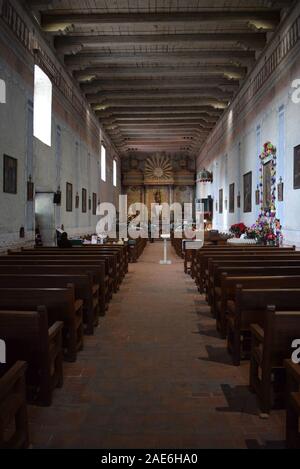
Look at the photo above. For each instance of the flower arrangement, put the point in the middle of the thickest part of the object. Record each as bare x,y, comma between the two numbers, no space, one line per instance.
266,232
252,232
269,150
238,229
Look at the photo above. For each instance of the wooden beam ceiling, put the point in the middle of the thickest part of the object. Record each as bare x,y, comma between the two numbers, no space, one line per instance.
54,21
249,41
159,78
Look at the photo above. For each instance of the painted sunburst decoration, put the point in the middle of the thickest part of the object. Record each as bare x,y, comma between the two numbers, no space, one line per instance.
158,168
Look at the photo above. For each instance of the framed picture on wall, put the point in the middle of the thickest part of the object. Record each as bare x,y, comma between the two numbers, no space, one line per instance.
231,198
10,174
257,197
248,192
280,191
83,200
77,200
297,167
221,201
30,190
90,203
69,197
94,203
238,201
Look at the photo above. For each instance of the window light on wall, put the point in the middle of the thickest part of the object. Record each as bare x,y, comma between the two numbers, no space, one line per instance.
42,118
103,163
2,92
114,173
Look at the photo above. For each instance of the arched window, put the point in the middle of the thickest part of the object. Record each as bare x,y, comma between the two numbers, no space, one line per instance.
2,352
2,92
103,163
42,119
114,173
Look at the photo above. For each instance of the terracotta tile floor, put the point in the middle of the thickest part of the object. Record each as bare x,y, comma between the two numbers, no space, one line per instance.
155,375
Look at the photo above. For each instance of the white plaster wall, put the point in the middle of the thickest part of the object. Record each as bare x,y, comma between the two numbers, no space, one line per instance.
241,129
13,115
14,142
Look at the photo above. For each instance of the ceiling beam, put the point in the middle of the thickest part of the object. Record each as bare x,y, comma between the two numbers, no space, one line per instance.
230,72
142,119
39,3
166,110
174,144
226,57
209,93
157,141
160,102
200,124
161,135
157,125
159,83
252,41
59,21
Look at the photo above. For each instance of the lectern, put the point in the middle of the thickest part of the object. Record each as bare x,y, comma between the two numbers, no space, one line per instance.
165,261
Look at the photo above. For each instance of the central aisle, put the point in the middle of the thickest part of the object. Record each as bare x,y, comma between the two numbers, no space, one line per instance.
155,375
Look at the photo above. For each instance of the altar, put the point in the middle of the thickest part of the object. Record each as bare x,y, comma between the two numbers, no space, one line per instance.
159,180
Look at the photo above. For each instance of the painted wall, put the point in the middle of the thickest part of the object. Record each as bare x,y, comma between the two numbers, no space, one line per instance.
234,146
74,155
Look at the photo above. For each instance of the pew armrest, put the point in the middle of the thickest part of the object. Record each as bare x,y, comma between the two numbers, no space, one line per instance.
295,401
257,332
78,305
293,369
55,329
11,377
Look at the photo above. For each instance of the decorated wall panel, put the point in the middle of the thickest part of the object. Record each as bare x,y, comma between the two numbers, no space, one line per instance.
159,178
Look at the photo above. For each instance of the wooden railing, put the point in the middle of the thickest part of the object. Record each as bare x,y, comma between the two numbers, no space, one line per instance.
10,16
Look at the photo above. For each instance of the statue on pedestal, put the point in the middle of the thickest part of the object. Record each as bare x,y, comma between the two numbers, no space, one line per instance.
157,197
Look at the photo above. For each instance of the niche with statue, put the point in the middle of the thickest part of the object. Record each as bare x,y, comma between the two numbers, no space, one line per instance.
267,229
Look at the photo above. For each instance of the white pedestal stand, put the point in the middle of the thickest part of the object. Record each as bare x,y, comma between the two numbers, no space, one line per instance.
165,261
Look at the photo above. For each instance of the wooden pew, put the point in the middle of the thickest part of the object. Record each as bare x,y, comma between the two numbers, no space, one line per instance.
233,259
136,248
14,432
85,290
119,266
249,308
177,245
271,345
292,404
63,268
202,256
123,247
217,267
110,278
189,255
120,252
61,306
228,290
29,338
90,249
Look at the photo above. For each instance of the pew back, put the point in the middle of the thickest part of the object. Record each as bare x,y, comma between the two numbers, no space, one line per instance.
28,337
61,306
